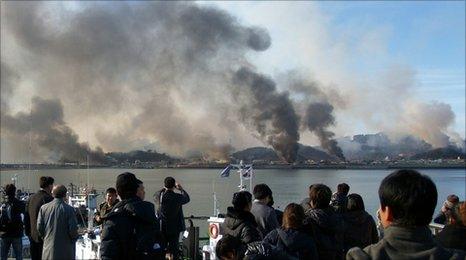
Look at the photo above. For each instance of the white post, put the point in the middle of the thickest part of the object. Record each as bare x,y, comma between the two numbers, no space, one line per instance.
250,180
240,179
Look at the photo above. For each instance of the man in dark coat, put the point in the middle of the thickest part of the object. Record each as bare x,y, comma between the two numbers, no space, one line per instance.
453,235
445,211
58,227
407,203
323,224
33,205
339,199
264,215
239,222
361,229
12,232
129,230
111,198
171,213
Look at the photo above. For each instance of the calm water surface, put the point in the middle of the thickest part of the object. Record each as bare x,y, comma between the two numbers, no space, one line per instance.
287,185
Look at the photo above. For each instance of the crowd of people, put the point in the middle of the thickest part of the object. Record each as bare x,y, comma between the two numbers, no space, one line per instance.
322,226
336,226
131,228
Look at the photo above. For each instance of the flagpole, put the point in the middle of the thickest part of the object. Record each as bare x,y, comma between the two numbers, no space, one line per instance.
240,179
250,180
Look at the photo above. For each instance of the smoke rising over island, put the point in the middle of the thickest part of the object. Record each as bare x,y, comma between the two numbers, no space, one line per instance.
87,78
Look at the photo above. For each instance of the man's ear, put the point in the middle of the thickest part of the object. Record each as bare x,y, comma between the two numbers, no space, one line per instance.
386,216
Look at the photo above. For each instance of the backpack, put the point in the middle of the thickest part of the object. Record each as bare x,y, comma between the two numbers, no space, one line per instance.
6,217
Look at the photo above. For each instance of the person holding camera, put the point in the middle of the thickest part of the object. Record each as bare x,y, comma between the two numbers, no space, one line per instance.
170,213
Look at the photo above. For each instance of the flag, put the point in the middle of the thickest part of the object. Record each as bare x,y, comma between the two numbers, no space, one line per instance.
247,172
226,172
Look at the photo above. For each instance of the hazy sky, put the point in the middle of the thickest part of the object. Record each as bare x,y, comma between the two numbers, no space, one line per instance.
338,40
164,75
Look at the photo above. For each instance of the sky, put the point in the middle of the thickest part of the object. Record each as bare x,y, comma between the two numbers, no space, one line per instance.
426,36
180,77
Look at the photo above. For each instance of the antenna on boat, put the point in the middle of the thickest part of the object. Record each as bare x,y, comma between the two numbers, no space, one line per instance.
30,146
214,195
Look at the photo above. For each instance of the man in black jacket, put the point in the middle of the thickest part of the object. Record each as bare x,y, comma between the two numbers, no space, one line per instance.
407,203
11,232
171,213
324,224
130,229
33,205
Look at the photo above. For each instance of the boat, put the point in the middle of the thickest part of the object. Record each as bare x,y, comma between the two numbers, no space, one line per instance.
245,172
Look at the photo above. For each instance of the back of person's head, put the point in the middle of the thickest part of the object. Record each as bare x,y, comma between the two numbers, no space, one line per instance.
343,188
452,198
126,185
320,196
355,203
228,247
293,216
111,190
169,182
45,181
411,196
10,190
241,200
458,214
262,191
59,191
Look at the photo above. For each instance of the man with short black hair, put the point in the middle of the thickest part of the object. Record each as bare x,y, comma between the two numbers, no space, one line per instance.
407,202
340,198
445,212
141,191
58,227
33,205
264,215
111,198
323,224
130,229
171,213
11,224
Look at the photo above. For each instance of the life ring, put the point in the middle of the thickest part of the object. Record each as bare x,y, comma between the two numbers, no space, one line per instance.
213,231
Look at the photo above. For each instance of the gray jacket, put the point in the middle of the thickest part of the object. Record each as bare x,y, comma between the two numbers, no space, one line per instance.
57,226
405,243
265,217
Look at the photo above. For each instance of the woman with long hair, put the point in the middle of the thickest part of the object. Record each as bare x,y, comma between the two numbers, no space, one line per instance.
290,238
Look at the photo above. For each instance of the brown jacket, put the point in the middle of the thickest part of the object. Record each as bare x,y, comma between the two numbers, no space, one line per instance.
103,210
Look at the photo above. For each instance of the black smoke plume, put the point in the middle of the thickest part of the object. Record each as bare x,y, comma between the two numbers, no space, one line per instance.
271,113
140,67
47,128
318,117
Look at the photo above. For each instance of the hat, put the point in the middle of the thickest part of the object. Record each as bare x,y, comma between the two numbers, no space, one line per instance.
126,185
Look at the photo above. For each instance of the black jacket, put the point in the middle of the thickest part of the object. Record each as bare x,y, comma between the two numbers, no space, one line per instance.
130,231
405,243
170,210
339,202
440,218
453,237
32,210
326,227
242,225
295,243
15,227
360,231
